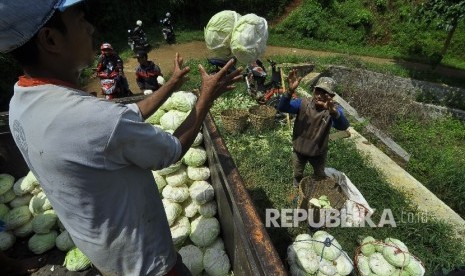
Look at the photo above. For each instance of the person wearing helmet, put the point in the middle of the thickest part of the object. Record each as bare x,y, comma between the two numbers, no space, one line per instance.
94,158
137,39
166,22
138,29
110,66
147,73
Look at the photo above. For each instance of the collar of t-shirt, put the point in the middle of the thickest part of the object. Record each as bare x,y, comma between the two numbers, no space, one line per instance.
25,81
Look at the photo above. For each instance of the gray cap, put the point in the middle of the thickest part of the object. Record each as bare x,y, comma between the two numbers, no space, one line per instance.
327,84
20,20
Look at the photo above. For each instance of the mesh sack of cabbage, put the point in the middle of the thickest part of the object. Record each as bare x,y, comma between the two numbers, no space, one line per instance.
320,254
391,257
188,197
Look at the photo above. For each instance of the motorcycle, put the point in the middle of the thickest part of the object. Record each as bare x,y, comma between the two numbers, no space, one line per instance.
264,93
219,63
137,42
168,32
110,82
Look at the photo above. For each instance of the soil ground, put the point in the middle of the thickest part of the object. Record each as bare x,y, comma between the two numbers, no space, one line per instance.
164,57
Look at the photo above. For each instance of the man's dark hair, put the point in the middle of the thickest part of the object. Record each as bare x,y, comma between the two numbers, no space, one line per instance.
28,54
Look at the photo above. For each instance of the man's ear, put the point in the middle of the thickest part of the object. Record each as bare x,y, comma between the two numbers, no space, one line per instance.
50,40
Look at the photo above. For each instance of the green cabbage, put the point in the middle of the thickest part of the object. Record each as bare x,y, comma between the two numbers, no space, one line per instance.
177,178
183,101
155,118
218,32
192,258
307,260
64,241
249,37
303,238
368,246
6,182
40,243
39,203
44,222
217,244
75,260
198,173
330,253
190,208
297,271
159,180
208,209
172,210
3,211
395,256
176,194
172,119
415,267
327,268
379,265
204,231
363,266
7,240
198,140
171,169
8,196
195,157
21,201
344,265
17,217
216,262
24,230
399,272
180,230
25,184
201,192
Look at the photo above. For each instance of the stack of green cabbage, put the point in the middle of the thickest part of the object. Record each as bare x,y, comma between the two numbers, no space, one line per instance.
188,197
27,213
390,257
318,255
244,36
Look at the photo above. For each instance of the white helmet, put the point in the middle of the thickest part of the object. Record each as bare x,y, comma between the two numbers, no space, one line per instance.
168,14
139,23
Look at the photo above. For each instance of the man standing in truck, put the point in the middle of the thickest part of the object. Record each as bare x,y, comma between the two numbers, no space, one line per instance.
92,157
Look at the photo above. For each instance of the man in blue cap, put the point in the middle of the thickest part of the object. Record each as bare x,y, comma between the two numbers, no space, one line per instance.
92,157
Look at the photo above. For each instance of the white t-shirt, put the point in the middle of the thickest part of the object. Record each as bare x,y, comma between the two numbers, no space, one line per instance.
93,159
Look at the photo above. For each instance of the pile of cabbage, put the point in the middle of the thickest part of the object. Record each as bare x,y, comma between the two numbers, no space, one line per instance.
188,197
228,33
28,214
318,255
390,257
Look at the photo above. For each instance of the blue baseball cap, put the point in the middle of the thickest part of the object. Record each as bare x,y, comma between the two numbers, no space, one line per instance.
20,20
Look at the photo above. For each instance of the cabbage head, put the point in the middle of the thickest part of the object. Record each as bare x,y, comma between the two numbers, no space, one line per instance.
344,265
217,244
396,243
208,209
327,267
363,266
183,101
7,240
195,157
297,271
40,243
198,140
159,180
3,211
171,169
177,178
172,210
75,260
216,262
303,237
368,246
307,260
396,257
329,253
155,118
6,182
172,119
180,230
204,231
400,272
218,32
17,217
249,37
201,192
198,173
39,203
176,194
25,184
415,267
24,230
8,196
379,265
21,201
44,222
64,241
190,208
192,257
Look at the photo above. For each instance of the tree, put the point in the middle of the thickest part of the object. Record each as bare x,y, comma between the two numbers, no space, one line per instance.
446,14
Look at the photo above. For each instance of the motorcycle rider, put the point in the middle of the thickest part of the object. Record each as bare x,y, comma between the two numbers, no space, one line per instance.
167,27
137,38
104,71
147,73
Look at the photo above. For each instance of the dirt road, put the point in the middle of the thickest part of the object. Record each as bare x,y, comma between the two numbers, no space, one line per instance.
164,56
